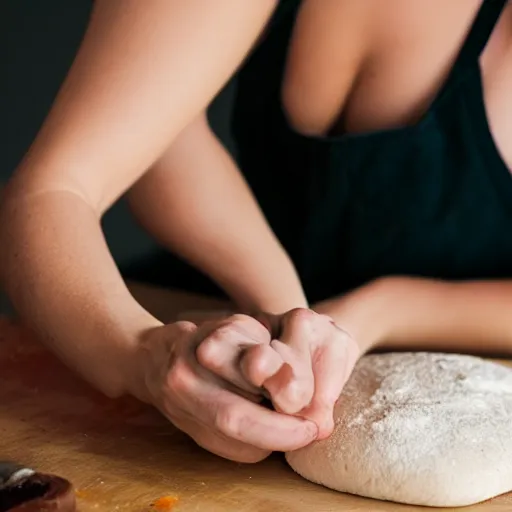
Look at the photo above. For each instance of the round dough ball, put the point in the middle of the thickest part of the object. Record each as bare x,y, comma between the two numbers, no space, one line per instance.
418,428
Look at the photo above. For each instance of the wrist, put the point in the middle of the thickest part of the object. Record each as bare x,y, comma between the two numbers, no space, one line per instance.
274,306
136,354
398,300
380,307
368,315
273,293
363,313
270,313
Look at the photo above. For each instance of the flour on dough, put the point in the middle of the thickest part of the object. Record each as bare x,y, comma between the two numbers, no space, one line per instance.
418,428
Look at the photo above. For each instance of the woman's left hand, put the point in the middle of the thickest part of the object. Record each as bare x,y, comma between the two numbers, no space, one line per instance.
318,357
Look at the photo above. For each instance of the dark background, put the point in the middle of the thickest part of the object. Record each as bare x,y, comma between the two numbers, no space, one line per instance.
39,39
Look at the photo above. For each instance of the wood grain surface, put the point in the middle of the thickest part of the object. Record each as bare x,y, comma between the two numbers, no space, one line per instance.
122,456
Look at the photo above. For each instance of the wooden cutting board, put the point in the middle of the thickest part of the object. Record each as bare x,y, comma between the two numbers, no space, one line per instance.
122,456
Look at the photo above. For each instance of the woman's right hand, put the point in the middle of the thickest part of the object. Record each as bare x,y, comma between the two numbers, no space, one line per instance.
219,416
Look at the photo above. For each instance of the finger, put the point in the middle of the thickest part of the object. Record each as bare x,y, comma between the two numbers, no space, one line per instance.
245,326
223,346
260,362
297,329
242,420
263,428
224,447
186,400
248,326
232,450
332,365
215,442
222,357
291,388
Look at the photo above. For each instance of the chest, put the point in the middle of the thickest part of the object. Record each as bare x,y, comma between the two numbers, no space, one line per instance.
368,66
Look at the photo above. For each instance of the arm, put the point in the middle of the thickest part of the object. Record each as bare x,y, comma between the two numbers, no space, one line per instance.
142,74
195,201
401,313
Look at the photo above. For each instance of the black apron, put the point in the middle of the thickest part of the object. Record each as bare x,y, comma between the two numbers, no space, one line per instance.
433,199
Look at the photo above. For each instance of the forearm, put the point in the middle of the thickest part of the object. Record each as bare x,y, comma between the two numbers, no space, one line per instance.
58,272
473,316
195,202
424,314
143,72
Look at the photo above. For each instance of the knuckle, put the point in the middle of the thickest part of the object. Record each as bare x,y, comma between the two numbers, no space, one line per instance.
239,318
244,325
208,354
302,315
179,377
185,327
221,333
250,329
227,420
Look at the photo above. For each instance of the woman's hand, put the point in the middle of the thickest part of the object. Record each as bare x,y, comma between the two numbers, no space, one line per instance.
319,357
300,361
221,416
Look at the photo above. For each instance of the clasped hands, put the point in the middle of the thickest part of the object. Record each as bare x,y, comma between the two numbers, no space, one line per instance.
210,380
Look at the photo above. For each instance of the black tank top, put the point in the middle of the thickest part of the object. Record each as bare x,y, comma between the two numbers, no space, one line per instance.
433,199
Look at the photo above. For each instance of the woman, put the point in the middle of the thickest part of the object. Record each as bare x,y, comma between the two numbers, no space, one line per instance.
375,144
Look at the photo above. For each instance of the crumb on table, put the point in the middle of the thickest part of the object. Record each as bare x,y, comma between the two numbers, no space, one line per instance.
165,504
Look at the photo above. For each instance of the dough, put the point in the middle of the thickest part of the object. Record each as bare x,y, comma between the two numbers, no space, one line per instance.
418,428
